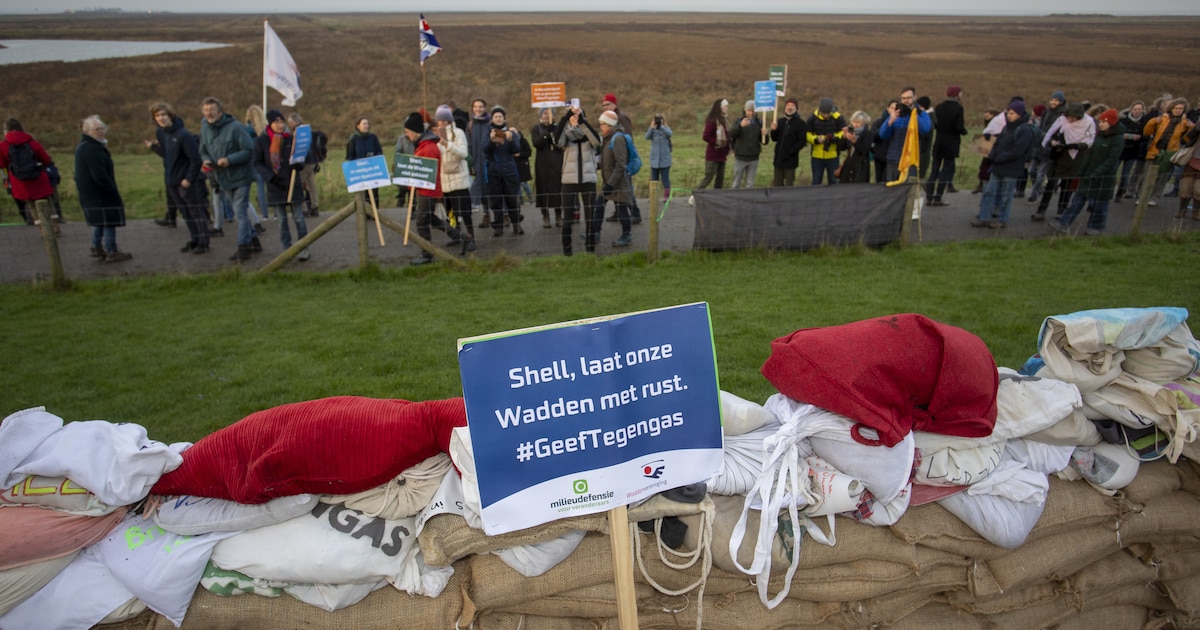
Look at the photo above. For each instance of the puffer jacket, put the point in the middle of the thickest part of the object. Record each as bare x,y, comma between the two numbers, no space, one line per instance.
579,144
1155,129
456,175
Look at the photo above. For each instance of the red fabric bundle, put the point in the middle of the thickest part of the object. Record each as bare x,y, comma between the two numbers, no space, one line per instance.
893,374
339,445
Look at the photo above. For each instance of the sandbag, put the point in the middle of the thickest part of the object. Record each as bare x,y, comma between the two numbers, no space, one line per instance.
57,493
202,515
17,584
33,534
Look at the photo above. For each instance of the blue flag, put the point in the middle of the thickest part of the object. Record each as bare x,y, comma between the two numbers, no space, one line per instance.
429,43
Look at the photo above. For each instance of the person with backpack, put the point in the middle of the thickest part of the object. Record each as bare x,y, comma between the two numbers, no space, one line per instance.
26,161
614,162
180,153
97,188
312,163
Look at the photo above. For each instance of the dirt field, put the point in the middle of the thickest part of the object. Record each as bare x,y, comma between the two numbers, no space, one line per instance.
367,64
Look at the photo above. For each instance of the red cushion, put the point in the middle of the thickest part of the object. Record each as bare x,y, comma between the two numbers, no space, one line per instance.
339,445
893,374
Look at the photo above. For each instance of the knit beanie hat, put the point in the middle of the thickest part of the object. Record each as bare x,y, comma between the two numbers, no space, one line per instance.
792,100
825,106
610,98
609,119
1109,116
1039,109
749,105
274,115
1059,96
443,113
497,108
414,122
953,91
1017,106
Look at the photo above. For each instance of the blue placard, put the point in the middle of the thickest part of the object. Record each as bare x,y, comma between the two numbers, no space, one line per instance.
366,173
583,417
764,96
301,141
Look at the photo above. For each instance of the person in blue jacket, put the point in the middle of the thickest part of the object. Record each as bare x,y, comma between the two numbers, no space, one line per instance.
896,126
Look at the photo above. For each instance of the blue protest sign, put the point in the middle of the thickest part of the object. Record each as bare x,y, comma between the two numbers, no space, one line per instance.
366,173
301,141
587,416
764,96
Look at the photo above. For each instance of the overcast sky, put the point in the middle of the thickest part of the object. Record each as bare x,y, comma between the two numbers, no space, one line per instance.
937,7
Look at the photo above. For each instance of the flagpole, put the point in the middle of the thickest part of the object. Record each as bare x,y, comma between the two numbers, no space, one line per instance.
264,81
424,108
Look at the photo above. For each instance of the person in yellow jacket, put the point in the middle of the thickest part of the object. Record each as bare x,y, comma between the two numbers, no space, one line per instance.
1165,132
825,130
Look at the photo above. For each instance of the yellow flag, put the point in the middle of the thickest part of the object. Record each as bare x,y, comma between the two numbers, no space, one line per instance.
911,154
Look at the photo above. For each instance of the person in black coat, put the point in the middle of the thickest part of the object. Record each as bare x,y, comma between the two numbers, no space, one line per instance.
856,143
180,152
790,135
547,168
96,186
272,160
950,125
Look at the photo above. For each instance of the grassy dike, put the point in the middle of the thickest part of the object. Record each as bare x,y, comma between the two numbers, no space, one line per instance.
184,356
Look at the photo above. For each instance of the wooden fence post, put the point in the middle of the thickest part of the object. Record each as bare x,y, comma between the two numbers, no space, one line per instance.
1139,212
58,277
655,200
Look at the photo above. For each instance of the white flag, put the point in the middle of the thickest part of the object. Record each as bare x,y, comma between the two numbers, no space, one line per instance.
279,71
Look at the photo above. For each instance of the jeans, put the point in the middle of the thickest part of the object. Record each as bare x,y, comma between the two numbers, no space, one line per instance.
997,199
823,169
239,198
664,174
1098,218
1131,176
1037,177
744,173
285,235
262,194
109,234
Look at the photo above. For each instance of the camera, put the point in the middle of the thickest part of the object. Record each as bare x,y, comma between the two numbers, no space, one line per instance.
658,120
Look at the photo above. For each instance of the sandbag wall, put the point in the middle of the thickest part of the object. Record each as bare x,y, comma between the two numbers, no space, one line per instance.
1130,561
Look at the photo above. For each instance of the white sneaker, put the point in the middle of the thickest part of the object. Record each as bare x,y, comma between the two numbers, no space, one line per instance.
1152,203
691,200
303,256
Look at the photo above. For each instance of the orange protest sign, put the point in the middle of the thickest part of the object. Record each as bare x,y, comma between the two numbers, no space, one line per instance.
548,94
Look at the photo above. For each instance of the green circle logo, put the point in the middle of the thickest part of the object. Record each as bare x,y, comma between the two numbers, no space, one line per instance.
580,486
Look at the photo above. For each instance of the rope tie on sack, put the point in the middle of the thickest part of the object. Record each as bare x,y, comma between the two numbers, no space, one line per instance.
703,550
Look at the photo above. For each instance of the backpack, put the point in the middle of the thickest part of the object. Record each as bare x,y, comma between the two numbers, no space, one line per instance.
320,145
635,161
22,163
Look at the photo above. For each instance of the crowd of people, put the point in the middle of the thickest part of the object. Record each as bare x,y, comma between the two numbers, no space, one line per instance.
1087,154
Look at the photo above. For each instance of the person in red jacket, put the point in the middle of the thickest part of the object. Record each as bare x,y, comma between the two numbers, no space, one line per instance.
426,143
27,187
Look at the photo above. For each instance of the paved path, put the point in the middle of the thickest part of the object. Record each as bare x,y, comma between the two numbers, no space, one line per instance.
155,249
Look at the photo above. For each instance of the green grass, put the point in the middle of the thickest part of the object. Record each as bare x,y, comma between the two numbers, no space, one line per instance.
184,356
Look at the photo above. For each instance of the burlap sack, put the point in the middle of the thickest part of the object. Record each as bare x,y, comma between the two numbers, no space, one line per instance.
1171,515
1059,554
1176,564
496,586
736,612
380,610
1185,594
939,615
447,537
510,621
598,601
1070,504
1153,480
1068,606
1121,616
884,612
856,541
